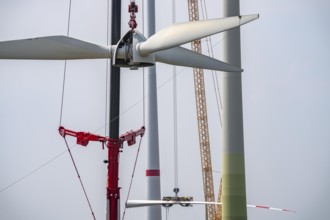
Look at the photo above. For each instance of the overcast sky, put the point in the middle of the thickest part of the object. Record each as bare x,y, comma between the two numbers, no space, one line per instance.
286,101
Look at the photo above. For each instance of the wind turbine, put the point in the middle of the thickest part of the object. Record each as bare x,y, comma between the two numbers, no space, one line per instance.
133,50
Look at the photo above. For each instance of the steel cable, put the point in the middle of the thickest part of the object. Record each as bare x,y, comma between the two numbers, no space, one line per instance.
81,183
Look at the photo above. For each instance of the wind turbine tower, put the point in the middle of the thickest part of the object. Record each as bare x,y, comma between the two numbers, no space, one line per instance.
153,167
233,168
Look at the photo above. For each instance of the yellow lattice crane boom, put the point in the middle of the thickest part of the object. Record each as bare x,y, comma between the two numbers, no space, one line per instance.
202,120
218,215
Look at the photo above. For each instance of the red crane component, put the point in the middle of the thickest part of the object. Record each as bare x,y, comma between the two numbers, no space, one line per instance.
114,146
132,8
83,138
130,136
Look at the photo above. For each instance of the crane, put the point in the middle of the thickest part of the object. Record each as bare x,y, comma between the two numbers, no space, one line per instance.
114,146
202,121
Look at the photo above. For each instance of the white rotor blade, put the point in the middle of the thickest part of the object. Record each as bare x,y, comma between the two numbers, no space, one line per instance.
142,203
183,57
52,48
200,203
178,34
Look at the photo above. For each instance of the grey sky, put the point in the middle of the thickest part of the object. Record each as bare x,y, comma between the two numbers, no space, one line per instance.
286,113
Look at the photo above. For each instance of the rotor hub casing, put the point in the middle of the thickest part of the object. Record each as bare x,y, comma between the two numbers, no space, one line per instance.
126,52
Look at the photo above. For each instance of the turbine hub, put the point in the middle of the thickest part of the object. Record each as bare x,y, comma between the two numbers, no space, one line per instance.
178,200
126,52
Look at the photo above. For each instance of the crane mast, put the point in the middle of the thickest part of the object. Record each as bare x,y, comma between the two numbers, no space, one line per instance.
218,215
202,120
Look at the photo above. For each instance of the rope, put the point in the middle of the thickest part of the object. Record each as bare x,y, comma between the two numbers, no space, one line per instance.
167,213
107,73
214,75
175,115
144,93
64,71
217,94
69,19
143,98
61,114
32,172
63,88
142,17
132,177
81,183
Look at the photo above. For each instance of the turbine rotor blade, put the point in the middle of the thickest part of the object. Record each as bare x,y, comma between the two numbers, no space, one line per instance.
178,34
142,203
183,57
52,48
202,203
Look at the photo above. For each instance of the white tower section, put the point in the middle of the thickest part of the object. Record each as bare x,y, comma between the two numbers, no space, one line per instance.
152,172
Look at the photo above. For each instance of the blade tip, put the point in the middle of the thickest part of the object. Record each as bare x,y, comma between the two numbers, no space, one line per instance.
248,18
237,71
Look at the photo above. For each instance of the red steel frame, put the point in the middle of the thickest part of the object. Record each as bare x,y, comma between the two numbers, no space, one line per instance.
114,148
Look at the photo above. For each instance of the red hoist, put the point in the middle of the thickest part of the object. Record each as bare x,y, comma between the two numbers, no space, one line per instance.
114,148
132,8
